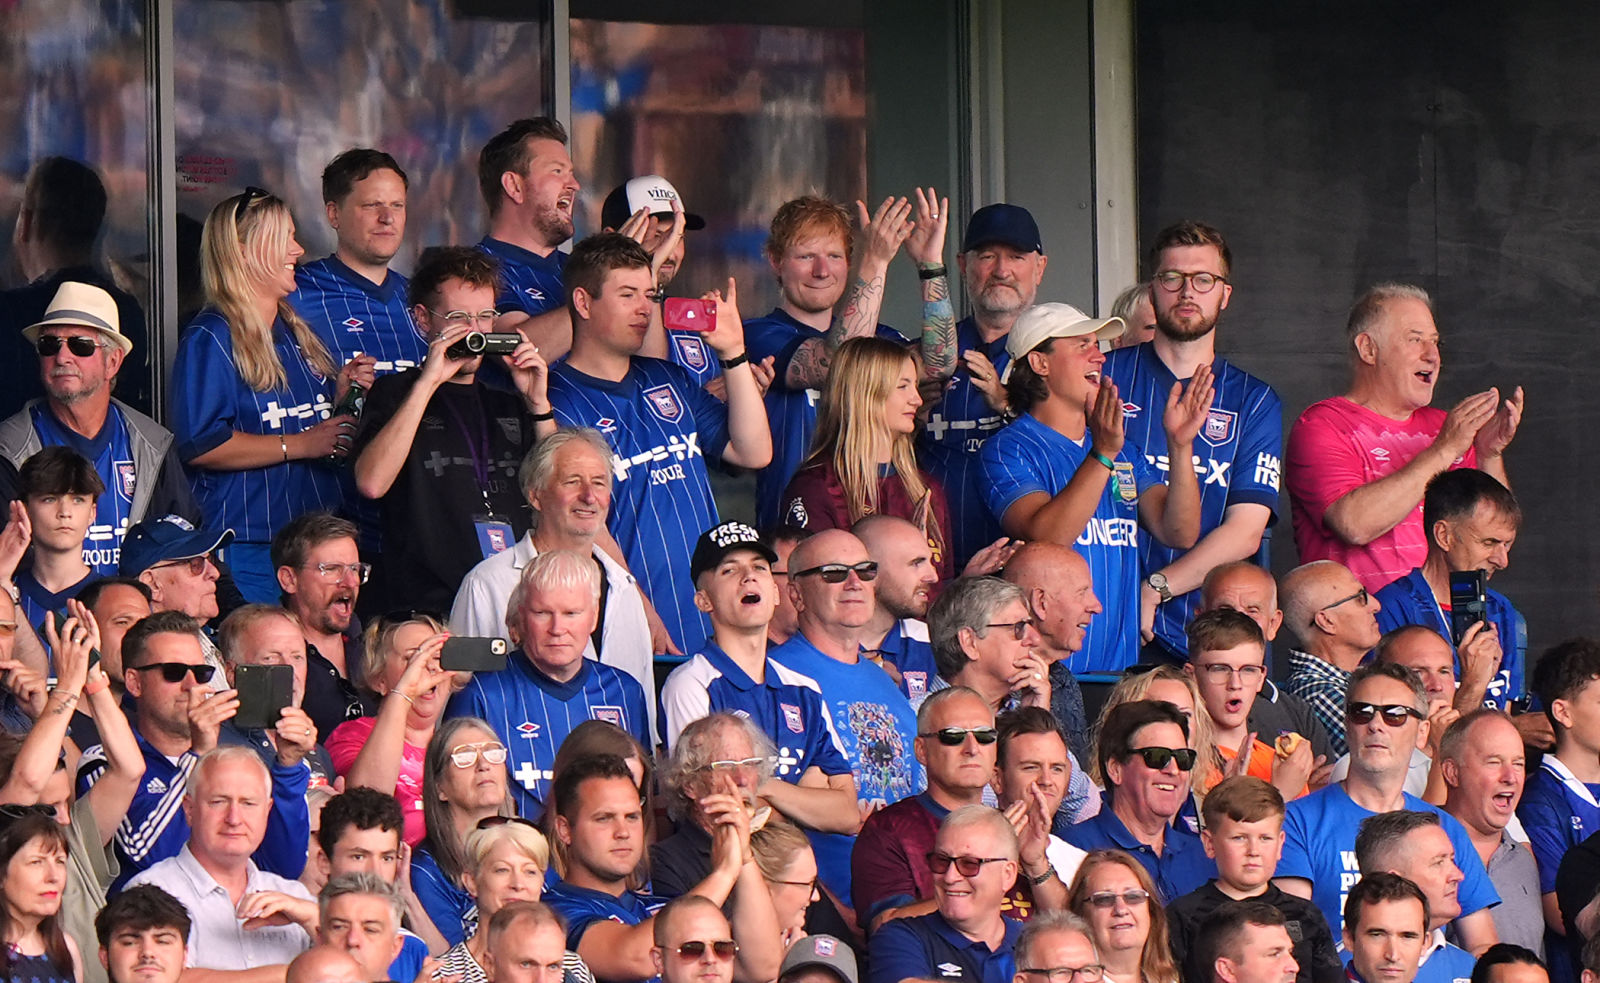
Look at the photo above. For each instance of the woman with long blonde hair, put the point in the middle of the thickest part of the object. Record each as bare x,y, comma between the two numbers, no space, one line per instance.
863,457
1177,687
254,390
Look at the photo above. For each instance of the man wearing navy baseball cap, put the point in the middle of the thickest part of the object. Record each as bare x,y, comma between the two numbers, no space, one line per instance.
174,559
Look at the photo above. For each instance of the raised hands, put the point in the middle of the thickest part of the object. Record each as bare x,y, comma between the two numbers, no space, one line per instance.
925,242
14,539
726,337
1495,435
884,232
1107,429
1187,408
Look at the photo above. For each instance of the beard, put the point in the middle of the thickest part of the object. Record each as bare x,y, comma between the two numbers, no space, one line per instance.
1176,330
554,224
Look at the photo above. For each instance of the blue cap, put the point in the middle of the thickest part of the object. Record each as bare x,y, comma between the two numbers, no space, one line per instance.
1009,225
170,537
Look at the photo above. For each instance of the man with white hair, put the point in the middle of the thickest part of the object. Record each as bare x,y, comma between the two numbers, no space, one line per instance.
974,864
567,479
247,923
361,913
549,687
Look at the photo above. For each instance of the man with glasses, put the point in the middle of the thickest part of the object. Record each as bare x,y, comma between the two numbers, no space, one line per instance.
1144,754
1336,621
548,687
439,448
831,581
320,575
177,562
694,942
1385,714
1239,446
983,638
1359,464
177,719
965,937
599,822
80,351
811,783
1064,472
1057,947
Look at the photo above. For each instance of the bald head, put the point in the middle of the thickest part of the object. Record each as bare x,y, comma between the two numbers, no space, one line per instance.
831,610
906,572
878,531
325,964
1037,563
1246,588
1326,608
828,546
1059,590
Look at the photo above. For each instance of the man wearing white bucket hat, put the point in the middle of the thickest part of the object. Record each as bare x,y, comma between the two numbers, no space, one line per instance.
1063,471
81,348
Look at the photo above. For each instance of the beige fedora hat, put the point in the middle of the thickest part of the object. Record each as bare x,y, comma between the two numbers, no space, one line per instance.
82,305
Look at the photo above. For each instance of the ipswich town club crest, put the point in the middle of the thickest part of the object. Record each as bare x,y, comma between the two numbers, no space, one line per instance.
791,718
611,715
125,480
1219,426
663,402
693,353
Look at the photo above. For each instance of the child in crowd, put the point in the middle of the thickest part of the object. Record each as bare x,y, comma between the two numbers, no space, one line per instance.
1227,658
1243,833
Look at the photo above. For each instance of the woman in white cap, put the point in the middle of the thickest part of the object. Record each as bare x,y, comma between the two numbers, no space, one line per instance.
254,390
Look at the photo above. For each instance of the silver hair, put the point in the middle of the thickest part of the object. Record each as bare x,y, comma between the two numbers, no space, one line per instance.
554,570
691,754
969,602
981,815
540,463
938,698
222,755
362,883
1045,923
1367,312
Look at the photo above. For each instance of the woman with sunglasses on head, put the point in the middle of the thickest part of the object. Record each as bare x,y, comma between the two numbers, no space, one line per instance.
1115,895
863,457
254,390
400,663
33,860
1144,756
1172,685
596,737
464,782
506,859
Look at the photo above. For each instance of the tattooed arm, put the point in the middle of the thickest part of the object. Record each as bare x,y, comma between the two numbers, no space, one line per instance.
925,247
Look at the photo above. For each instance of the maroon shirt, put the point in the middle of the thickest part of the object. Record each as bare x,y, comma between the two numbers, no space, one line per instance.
815,500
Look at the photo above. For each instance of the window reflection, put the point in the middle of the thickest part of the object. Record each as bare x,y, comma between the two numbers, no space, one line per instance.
740,118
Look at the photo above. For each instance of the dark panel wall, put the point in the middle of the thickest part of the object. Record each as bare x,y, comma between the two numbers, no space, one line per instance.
1456,146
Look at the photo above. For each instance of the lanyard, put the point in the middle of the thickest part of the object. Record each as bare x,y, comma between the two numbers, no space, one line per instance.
480,464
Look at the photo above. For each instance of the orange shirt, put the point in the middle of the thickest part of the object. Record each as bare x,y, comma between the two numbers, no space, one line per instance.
1262,758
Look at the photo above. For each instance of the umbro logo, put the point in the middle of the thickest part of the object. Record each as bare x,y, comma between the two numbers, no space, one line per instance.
528,729
606,425
352,323
534,292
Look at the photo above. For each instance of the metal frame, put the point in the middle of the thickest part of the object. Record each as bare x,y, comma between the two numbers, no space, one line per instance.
162,186
1116,222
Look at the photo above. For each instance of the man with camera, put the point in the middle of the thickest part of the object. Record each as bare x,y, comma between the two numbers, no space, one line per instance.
439,449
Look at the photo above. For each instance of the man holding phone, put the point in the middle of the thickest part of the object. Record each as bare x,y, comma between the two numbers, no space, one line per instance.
1471,521
265,654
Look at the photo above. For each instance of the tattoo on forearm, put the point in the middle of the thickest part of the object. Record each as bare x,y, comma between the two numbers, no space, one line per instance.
860,315
808,366
938,329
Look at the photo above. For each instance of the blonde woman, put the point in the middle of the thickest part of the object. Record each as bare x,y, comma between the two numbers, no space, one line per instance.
1172,684
254,390
506,860
863,457
1115,895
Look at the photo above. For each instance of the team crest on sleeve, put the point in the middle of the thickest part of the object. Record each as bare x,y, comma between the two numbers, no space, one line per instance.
1219,426
916,682
611,715
791,718
693,352
663,402
125,479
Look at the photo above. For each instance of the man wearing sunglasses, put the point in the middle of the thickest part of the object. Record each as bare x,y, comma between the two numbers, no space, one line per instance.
694,943
80,351
831,581
1146,759
1386,720
1336,621
177,719
965,937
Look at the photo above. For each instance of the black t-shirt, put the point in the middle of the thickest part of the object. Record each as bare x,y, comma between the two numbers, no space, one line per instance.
1314,948
468,446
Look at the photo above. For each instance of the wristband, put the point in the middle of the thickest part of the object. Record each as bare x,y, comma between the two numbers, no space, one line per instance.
94,686
546,415
1109,464
737,360
1049,872
931,273
284,443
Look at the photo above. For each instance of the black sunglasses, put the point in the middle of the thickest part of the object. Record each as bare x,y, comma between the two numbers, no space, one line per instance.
838,573
80,345
966,866
490,822
957,736
11,811
722,948
1156,758
173,672
250,195
1394,714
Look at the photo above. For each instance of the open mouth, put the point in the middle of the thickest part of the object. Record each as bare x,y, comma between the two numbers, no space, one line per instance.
1093,376
750,598
1233,705
1425,376
1504,801
564,203
1165,787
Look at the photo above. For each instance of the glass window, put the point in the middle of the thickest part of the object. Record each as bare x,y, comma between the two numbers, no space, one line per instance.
739,117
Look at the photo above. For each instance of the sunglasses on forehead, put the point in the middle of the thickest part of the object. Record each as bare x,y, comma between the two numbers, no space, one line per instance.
250,196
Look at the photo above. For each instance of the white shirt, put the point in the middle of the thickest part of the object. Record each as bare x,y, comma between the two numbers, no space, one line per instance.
217,937
481,602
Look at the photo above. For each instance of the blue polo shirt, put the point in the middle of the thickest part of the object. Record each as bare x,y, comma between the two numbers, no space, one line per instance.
1445,963
1410,601
449,906
928,947
1181,866
581,907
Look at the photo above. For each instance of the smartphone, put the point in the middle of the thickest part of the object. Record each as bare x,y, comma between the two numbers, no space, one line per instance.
465,653
1469,603
263,693
61,619
689,314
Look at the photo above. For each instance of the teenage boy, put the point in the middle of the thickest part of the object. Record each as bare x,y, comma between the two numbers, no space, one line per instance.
359,833
1244,834
1228,660
58,488
1561,801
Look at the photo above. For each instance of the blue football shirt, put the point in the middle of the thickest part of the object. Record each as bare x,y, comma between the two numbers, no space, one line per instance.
111,452
581,907
1410,601
354,316
688,350
948,448
533,714
1236,455
210,402
528,282
1028,457
662,427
